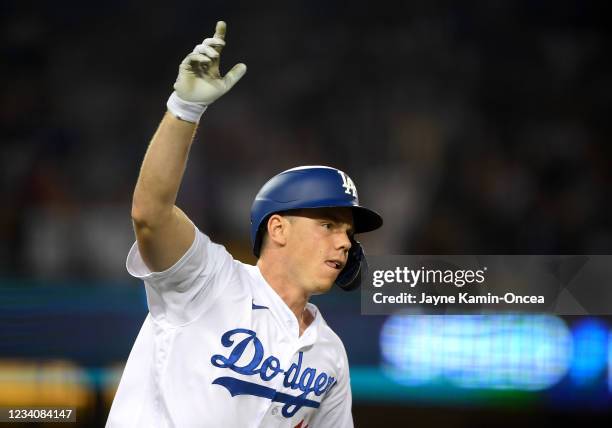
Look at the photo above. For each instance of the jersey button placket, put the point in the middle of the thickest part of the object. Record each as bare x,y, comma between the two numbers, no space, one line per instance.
275,408
288,360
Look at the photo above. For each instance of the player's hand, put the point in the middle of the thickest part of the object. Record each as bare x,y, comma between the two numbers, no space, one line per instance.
199,80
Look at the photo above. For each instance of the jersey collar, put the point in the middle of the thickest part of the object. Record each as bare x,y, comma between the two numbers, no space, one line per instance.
283,313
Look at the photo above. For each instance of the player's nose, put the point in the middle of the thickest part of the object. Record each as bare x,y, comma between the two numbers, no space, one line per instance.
343,242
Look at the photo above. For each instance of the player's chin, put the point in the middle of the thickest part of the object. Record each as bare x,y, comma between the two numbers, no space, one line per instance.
322,288
324,284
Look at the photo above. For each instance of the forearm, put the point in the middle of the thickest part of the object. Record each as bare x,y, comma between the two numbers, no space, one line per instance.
162,170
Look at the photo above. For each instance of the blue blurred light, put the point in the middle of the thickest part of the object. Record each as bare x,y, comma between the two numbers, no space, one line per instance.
521,352
590,351
610,362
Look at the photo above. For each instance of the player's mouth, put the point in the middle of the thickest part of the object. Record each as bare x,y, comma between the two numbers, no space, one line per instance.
335,264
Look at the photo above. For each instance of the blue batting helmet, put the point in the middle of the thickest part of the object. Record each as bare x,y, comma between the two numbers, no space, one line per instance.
315,187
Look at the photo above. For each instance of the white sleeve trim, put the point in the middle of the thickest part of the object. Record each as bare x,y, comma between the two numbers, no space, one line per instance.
136,266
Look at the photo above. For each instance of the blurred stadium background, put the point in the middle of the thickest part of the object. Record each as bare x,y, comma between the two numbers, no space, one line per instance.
472,127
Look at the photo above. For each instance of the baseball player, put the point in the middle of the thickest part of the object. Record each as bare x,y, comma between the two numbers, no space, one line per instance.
226,344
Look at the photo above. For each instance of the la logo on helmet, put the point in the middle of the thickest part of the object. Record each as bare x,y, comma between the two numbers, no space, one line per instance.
347,183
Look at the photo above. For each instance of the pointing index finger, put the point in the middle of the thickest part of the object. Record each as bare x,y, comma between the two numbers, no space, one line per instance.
220,30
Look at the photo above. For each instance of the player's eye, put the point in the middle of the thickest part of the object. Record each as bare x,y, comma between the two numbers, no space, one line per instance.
327,225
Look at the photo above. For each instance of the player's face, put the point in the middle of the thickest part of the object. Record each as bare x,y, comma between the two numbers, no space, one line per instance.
318,246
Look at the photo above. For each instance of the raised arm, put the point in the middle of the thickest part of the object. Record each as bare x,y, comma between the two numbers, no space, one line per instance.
163,231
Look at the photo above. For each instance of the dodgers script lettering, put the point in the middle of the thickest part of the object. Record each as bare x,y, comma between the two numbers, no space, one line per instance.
306,380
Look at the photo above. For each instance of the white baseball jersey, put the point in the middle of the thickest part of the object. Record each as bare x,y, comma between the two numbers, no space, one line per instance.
220,348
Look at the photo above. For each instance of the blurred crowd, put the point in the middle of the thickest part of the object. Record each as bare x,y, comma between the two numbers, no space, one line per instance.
479,128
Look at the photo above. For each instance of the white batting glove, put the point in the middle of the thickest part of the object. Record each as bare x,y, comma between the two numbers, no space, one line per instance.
199,82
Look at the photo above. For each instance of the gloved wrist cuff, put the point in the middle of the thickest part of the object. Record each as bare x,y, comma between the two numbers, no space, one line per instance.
185,110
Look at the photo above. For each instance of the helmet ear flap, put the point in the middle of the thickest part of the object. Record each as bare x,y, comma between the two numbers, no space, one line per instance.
259,236
356,267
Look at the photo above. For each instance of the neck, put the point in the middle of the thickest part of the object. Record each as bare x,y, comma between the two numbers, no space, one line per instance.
292,294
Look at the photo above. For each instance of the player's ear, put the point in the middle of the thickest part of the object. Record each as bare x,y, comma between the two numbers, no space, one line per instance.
278,230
